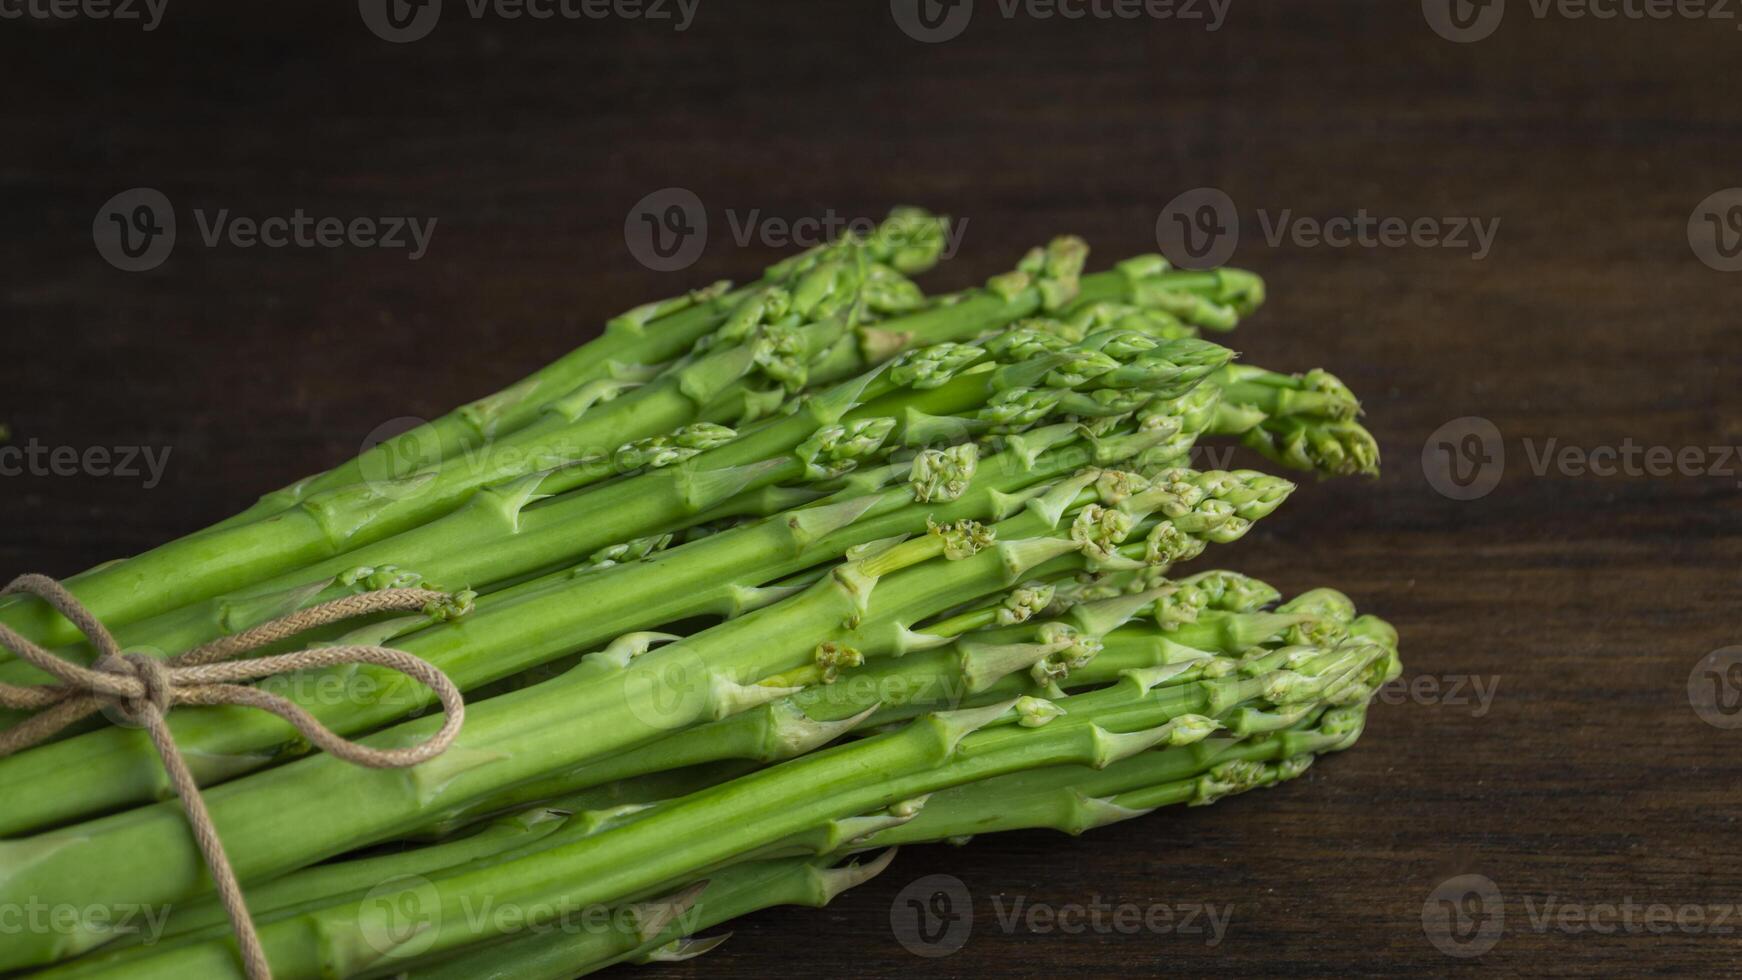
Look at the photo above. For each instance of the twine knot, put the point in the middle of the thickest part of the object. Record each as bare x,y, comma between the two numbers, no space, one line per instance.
149,673
140,689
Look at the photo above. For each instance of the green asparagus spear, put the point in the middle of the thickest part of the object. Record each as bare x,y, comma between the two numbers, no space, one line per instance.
1071,799
956,389
111,766
767,350
862,605
970,672
786,804
632,346
650,932
1068,798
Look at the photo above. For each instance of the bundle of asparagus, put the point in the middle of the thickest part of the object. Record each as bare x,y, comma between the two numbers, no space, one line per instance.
763,579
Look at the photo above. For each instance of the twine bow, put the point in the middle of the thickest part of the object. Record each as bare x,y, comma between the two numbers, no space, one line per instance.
141,689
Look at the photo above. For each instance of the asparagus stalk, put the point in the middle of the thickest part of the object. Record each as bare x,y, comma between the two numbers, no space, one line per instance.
937,679
109,763
1338,448
112,768
205,920
467,532
315,887
769,345
1007,586
1071,799
283,819
716,826
759,345
511,531
1302,421
718,575
631,346
1064,797
1075,799
646,932
967,673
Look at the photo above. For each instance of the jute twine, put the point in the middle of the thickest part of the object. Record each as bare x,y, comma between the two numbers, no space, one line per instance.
141,689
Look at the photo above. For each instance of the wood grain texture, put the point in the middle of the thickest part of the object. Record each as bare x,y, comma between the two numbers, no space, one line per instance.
1587,601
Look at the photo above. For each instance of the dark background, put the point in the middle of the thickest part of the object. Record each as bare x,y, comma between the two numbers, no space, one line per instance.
1587,601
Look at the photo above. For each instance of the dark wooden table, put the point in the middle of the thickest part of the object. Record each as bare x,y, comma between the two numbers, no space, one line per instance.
1582,605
